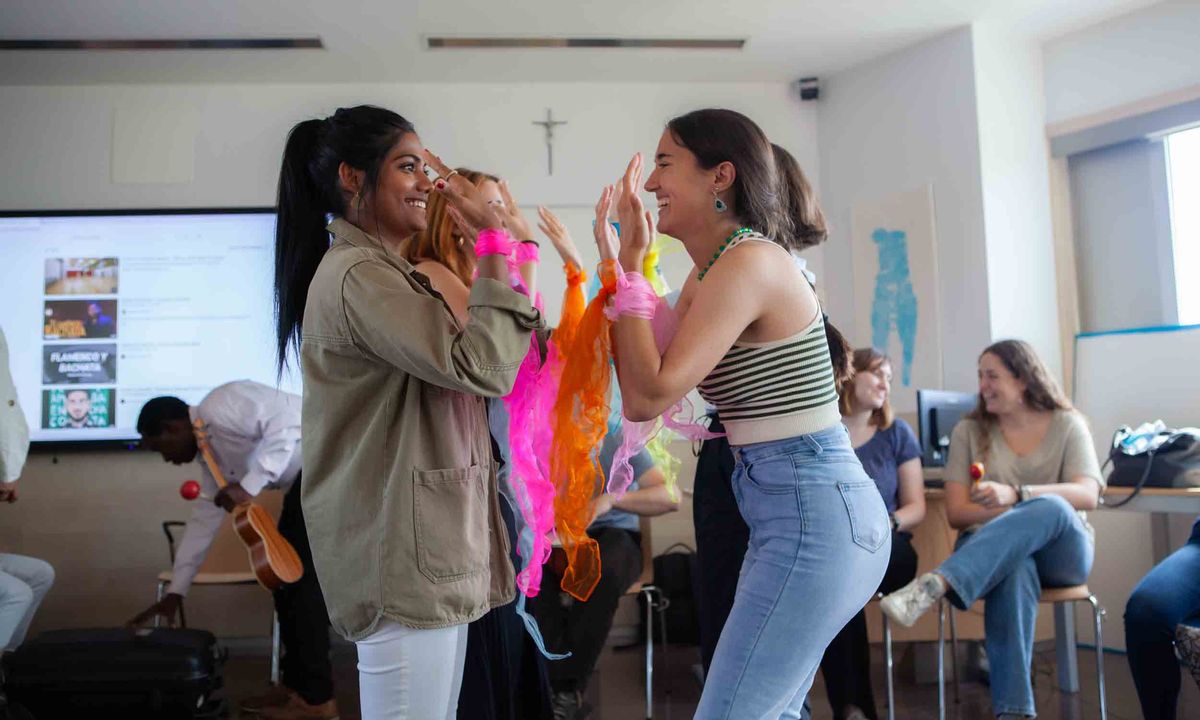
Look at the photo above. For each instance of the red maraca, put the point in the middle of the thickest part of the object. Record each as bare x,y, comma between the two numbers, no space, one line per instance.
190,490
977,471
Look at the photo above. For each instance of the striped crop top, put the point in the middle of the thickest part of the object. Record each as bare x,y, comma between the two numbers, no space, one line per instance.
775,390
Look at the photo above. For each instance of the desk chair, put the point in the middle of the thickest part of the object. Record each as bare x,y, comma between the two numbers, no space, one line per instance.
225,564
1054,596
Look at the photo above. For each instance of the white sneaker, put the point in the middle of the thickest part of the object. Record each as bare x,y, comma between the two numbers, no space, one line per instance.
910,602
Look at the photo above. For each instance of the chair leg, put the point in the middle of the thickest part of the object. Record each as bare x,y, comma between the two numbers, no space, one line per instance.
954,655
887,653
1098,617
649,596
941,663
661,607
159,594
274,676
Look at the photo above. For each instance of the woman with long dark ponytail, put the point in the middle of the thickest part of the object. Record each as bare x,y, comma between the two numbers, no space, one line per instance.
752,337
399,491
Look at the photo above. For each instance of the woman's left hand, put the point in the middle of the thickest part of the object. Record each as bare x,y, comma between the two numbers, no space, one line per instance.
635,219
993,494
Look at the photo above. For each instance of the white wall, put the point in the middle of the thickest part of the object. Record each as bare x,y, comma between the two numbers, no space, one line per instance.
1022,297
1123,60
57,149
898,123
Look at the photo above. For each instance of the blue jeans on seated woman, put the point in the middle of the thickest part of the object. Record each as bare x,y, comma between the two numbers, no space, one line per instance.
1039,543
1168,596
820,541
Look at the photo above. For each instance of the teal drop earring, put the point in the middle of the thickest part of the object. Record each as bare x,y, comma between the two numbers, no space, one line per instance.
718,203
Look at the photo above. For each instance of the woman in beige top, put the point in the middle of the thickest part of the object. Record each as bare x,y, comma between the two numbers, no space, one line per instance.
399,491
1023,526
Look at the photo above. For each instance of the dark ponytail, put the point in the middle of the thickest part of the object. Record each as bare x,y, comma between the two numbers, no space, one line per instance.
309,191
807,230
799,202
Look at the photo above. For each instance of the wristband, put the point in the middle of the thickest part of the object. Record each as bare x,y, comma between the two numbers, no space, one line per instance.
895,522
493,242
635,297
527,251
1024,493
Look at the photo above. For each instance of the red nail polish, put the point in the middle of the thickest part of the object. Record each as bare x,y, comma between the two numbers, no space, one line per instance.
440,184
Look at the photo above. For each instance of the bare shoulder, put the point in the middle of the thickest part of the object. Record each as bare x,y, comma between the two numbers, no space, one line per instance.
442,277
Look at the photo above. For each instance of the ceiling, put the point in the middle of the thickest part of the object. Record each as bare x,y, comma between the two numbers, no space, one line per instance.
383,40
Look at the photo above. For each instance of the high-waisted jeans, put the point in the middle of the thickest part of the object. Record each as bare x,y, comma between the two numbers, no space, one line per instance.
820,541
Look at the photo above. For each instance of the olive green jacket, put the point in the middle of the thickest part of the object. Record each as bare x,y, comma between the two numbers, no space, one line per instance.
399,490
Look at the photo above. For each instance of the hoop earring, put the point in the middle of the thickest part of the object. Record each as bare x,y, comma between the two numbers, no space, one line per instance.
718,203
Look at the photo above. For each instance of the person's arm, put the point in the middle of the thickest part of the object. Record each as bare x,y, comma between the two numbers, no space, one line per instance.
910,510
198,537
961,511
390,319
1080,481
651,498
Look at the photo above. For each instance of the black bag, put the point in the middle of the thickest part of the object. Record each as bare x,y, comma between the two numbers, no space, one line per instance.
101,672
674,576
1170,459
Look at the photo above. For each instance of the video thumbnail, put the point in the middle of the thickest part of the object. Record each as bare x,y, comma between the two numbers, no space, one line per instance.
79,364
77,319
78,408
81,276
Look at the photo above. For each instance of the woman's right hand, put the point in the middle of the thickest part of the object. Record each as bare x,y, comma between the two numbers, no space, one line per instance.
474,214
560,237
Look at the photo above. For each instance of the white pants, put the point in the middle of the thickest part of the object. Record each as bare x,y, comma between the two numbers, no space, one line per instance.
24,581
409,674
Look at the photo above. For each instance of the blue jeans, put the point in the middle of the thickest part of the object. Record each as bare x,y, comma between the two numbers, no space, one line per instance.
1039,543
820,541
24,582
1166,597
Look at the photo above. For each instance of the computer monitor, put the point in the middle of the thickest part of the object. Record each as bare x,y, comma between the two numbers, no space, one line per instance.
938,411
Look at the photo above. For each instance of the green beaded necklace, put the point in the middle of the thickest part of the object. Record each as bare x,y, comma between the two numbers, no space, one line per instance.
739,233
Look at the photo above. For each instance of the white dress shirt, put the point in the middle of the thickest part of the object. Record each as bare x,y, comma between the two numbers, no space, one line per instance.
254,433
14,431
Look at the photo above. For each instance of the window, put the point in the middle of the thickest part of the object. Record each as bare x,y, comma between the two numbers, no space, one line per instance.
1183,172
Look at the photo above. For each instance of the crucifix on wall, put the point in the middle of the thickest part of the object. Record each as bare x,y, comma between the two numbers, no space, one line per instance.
549,124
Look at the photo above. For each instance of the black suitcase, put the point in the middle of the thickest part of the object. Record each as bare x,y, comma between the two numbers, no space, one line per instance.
101,672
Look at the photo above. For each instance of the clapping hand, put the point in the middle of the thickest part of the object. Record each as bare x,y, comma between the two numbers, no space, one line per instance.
470,212
635,219
606,236
554,229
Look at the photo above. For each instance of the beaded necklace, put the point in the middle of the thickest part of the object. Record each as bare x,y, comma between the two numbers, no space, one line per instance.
735,235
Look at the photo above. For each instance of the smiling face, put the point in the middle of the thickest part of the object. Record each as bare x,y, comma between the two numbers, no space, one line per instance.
871,387
681,187
1000,390
399,198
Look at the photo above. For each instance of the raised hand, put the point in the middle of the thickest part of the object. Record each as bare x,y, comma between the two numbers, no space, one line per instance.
635,220
606,236
554,229
514,219
463,196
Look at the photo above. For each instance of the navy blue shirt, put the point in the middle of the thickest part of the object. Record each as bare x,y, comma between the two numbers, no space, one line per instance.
884,453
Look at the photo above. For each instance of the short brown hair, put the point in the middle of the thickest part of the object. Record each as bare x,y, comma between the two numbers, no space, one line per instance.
439,240
866,360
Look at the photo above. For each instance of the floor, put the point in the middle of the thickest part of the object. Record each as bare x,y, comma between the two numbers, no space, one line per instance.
616,692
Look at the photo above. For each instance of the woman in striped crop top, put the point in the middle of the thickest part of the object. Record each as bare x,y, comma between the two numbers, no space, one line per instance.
752,336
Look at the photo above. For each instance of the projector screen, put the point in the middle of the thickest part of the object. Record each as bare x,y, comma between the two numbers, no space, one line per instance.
105,310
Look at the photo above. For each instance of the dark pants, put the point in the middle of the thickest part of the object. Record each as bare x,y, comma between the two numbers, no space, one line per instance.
303,619
581,628
504,674
722,537
1166,597
847,662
